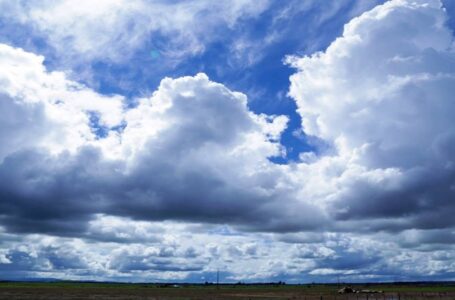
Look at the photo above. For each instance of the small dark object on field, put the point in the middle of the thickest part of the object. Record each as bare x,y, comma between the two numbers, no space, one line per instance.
346,290
349,290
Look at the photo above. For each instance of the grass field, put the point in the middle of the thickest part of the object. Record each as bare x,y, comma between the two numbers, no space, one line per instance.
99,291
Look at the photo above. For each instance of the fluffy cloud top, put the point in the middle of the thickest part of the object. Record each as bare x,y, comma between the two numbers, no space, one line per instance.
192,151
383,95
56,109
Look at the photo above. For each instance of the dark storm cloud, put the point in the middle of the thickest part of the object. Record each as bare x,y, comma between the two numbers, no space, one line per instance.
41,193
424,199
349,260
48,194
59,195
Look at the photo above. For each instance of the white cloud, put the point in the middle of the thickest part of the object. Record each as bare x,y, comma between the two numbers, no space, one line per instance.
382,94
45,109
113,30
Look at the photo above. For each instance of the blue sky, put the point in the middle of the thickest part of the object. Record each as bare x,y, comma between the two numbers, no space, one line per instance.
274,140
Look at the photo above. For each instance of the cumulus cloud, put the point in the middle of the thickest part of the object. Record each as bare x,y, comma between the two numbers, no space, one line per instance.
382,95
192,151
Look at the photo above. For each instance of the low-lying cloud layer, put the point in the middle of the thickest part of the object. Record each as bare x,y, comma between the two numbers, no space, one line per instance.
90,171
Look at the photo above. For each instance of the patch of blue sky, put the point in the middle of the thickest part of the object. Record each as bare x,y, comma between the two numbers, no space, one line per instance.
24,36
100,130
449,5
97,128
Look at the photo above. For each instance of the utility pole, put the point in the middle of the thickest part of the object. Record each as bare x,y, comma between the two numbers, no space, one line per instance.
217,278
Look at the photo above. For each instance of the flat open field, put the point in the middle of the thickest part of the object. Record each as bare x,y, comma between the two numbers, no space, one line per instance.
99,291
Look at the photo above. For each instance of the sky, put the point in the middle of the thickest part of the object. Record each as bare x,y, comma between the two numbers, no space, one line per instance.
298,141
